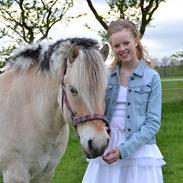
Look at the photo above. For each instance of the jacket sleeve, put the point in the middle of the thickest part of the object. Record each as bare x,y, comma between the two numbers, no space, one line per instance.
152,124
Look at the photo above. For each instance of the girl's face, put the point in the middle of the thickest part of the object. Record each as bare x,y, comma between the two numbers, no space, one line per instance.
124,45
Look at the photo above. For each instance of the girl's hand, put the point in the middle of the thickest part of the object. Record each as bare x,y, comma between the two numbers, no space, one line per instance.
112,156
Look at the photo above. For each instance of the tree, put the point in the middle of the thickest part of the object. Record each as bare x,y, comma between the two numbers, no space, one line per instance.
140,12
28,21
178,56
5,55
165,61
156,62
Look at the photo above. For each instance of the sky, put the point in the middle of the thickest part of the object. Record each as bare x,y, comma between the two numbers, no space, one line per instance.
163,37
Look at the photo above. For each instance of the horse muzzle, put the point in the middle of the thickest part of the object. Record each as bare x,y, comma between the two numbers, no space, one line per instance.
93,150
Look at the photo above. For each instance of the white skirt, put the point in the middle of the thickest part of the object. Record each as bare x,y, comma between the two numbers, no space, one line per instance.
103,173
144,166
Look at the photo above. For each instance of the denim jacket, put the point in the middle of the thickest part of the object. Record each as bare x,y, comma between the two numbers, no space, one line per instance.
143,110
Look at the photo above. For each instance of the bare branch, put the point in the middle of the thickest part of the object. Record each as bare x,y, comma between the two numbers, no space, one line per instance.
147,13
98,17
124,10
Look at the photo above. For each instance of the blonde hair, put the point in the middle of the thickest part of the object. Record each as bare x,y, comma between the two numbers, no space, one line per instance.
119,25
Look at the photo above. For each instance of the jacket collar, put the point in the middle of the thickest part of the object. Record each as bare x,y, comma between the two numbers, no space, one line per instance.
139,70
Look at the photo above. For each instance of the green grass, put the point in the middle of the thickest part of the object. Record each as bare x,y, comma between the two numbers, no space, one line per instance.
169,139
172,91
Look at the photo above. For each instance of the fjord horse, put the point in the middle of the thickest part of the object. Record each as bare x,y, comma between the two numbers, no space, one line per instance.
43,89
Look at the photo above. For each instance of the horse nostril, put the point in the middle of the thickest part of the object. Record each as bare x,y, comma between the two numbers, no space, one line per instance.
90,144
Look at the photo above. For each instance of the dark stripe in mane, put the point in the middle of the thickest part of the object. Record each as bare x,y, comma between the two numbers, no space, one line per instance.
83,43
32,53
42,57
45,60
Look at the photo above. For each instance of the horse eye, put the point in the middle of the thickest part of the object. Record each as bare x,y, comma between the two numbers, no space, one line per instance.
73,90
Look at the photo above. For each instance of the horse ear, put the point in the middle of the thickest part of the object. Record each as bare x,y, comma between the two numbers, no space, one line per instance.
105,51
73,53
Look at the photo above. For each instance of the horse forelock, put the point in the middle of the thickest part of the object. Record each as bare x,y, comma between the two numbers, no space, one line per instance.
90,75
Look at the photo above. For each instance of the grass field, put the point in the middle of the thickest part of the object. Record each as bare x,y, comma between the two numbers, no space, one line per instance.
172,90
169,140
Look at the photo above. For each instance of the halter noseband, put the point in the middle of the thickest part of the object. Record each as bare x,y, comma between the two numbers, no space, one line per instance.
76,120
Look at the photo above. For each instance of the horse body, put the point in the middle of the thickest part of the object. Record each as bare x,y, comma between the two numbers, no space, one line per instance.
33,118
33,133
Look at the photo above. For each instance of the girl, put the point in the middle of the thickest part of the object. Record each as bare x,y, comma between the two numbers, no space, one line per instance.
133,108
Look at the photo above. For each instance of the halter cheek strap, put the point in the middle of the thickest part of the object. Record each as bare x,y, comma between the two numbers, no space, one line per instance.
76,120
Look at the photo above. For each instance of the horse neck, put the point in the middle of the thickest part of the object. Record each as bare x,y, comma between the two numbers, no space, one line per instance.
42,90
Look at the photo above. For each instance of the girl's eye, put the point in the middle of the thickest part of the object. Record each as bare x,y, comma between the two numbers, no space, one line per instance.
116,46
126,43
73,90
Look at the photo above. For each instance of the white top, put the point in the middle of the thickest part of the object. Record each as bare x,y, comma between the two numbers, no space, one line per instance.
149,152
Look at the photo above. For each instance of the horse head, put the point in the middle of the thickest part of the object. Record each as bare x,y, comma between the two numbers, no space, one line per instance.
83,89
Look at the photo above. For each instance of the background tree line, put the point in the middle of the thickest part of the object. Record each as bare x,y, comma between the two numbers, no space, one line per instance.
24,21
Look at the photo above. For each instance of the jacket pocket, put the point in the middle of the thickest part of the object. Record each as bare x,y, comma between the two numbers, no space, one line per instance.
141,94
145,89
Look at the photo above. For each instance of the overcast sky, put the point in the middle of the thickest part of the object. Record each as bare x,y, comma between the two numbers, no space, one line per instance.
166,37
163,38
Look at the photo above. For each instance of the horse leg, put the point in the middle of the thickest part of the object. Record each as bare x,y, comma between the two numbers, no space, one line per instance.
15,172
58,152
43,178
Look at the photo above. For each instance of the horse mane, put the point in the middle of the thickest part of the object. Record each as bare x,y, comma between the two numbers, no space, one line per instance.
43,55
90,72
